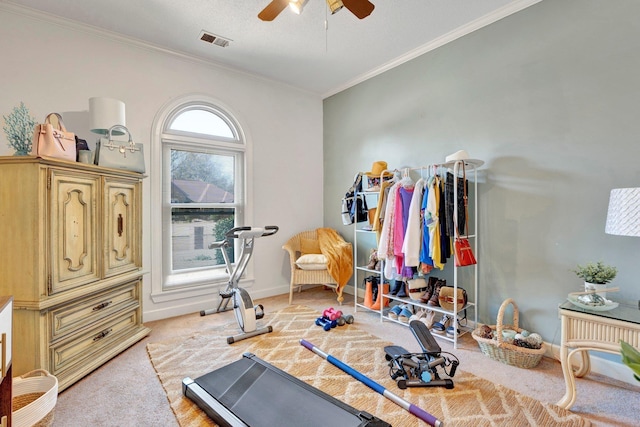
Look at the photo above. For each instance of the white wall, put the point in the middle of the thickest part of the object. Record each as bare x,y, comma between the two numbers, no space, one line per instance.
53,65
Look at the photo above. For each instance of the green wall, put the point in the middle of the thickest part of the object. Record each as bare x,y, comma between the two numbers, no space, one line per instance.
549,98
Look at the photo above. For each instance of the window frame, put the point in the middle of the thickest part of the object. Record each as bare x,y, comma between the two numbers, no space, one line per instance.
168,284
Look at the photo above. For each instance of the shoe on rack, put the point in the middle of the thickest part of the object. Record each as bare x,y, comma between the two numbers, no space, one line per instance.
450,331
441,326
431,282
405,315
450,328
394,287
428,318
419,315
394,312
373,259
435,301
402,293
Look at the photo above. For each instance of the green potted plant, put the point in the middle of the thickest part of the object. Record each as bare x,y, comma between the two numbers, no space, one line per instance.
19,129
631,358
596,275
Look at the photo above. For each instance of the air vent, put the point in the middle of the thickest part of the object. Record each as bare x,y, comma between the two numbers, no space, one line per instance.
208,37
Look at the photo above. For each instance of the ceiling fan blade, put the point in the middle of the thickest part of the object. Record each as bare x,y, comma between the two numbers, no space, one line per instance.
273,9
360,8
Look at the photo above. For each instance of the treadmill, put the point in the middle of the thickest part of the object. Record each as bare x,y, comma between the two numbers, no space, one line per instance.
252,392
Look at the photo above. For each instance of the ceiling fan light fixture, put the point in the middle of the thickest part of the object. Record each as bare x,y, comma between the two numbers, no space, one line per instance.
334,5
297,5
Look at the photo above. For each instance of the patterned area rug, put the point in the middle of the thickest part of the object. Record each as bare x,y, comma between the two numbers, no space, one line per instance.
472,402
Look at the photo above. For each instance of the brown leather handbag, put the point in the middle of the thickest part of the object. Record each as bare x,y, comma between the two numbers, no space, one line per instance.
447,297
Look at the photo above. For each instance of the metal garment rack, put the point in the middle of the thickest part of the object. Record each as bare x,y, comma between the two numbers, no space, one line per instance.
471,169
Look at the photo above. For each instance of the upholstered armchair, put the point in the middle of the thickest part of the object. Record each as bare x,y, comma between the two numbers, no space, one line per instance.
306,267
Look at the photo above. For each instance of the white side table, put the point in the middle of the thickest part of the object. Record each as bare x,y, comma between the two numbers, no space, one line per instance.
584,330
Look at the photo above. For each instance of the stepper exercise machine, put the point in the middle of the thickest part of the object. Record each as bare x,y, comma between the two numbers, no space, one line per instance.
252,392
246,313
420,369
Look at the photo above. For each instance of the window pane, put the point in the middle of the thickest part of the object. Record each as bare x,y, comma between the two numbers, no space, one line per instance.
192,229
201,177
201,121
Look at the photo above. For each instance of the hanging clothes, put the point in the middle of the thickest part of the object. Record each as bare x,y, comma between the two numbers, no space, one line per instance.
445,240
449,198
381,208
403,202
434,223
413,232
426,263
385,246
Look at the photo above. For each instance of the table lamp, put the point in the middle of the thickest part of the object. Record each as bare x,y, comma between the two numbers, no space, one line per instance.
105,113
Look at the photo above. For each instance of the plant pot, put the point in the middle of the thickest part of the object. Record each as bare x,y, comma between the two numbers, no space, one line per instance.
598,288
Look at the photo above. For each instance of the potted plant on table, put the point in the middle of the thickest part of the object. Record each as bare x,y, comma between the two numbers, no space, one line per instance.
596,275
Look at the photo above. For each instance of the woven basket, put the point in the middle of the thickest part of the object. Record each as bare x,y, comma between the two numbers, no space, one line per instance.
34,399
499,350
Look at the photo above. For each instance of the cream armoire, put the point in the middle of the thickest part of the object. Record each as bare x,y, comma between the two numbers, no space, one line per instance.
71,258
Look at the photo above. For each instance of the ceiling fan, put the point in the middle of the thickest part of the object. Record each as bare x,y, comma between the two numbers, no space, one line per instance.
360,8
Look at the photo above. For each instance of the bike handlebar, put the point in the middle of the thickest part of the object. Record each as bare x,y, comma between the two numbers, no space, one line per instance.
237,232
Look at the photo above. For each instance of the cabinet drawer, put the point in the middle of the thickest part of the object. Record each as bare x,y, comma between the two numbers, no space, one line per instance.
95,343
73,317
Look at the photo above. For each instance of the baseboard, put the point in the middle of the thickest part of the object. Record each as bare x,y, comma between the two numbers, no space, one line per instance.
599,365
608,368
194,305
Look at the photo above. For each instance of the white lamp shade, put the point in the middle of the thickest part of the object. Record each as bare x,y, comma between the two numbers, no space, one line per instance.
623,217
105,113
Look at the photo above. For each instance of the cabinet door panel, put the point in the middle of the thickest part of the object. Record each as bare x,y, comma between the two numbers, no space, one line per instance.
74,246
121,227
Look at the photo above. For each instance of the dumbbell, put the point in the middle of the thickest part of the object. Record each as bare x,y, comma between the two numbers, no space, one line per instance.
332,314
344,319
325,323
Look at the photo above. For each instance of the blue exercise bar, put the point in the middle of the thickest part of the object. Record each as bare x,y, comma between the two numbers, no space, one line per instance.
413,409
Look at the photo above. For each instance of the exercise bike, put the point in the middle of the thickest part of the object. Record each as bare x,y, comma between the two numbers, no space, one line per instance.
246,313
420,369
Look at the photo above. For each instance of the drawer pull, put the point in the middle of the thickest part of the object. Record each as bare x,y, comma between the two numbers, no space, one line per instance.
101,306
102,335
120,225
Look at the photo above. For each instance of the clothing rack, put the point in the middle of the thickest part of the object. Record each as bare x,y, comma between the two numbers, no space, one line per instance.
433,170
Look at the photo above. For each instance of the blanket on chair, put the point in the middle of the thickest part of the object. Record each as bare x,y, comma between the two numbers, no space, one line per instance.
339,256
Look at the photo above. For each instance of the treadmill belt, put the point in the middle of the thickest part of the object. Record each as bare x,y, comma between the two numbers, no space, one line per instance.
251,392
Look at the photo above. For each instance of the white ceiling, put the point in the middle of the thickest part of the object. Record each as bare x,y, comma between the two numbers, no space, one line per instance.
295,49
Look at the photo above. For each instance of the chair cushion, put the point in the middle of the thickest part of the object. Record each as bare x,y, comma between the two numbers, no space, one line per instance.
312,262
309,246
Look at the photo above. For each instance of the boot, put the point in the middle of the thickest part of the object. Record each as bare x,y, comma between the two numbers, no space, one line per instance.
368,293
375,288
394,288
402,292
384,290
435,301
373,259
430,288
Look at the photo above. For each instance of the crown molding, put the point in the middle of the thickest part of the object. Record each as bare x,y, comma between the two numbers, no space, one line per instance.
472,26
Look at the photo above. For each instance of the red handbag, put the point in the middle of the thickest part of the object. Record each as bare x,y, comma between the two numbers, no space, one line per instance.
462,248
463,252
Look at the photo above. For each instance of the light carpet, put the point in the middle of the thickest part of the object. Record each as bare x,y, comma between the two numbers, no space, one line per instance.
472,402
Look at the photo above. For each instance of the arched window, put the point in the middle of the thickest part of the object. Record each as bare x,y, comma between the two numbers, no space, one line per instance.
202,195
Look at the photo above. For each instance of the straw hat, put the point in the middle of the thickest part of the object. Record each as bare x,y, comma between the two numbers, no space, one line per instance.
377,168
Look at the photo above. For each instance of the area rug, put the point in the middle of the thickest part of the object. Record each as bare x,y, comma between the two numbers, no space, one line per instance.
472,402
